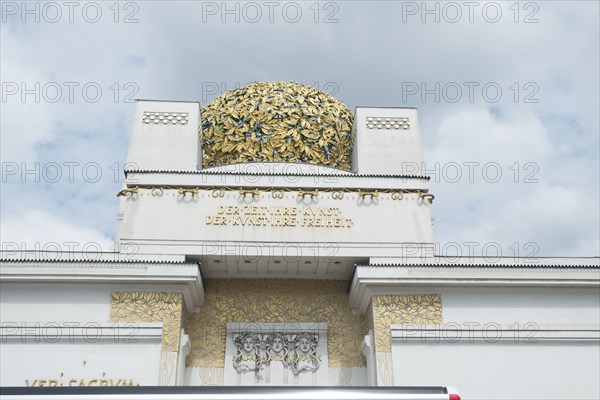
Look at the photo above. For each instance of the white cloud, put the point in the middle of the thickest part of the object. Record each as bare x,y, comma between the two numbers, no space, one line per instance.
41,230
526,204
369,53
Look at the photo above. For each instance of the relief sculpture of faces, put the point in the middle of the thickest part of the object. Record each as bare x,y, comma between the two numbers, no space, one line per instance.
304,345
297,352
248,343
277,344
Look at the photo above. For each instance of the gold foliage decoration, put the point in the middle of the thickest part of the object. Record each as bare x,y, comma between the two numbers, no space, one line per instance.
369,320
277,122
150,307
411,309
274,300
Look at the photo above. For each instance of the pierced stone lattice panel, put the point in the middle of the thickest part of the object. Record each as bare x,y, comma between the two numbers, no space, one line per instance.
387,123
165,118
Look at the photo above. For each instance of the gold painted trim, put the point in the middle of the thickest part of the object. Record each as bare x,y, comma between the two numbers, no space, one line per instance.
277,192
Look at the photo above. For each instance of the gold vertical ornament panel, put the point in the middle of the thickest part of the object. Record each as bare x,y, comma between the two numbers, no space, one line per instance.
142,306
274,301
411,309
369,320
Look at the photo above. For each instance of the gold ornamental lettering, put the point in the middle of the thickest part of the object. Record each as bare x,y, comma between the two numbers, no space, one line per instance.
281,216
79,382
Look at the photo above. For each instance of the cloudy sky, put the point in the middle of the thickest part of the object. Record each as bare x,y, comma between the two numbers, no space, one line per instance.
507,92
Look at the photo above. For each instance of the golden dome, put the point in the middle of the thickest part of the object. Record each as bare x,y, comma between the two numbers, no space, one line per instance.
277,122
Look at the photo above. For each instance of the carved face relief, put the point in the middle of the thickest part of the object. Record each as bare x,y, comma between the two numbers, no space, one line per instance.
248,344
304,345
277,345
294,351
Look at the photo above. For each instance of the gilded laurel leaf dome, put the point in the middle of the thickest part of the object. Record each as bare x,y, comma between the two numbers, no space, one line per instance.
277,122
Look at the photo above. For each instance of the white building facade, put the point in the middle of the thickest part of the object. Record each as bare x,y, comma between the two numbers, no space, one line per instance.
275,238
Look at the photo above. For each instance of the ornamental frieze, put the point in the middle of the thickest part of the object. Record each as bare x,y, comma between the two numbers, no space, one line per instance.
296,352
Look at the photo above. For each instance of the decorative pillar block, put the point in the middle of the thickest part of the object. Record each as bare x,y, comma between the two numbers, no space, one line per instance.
154,307
411,309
